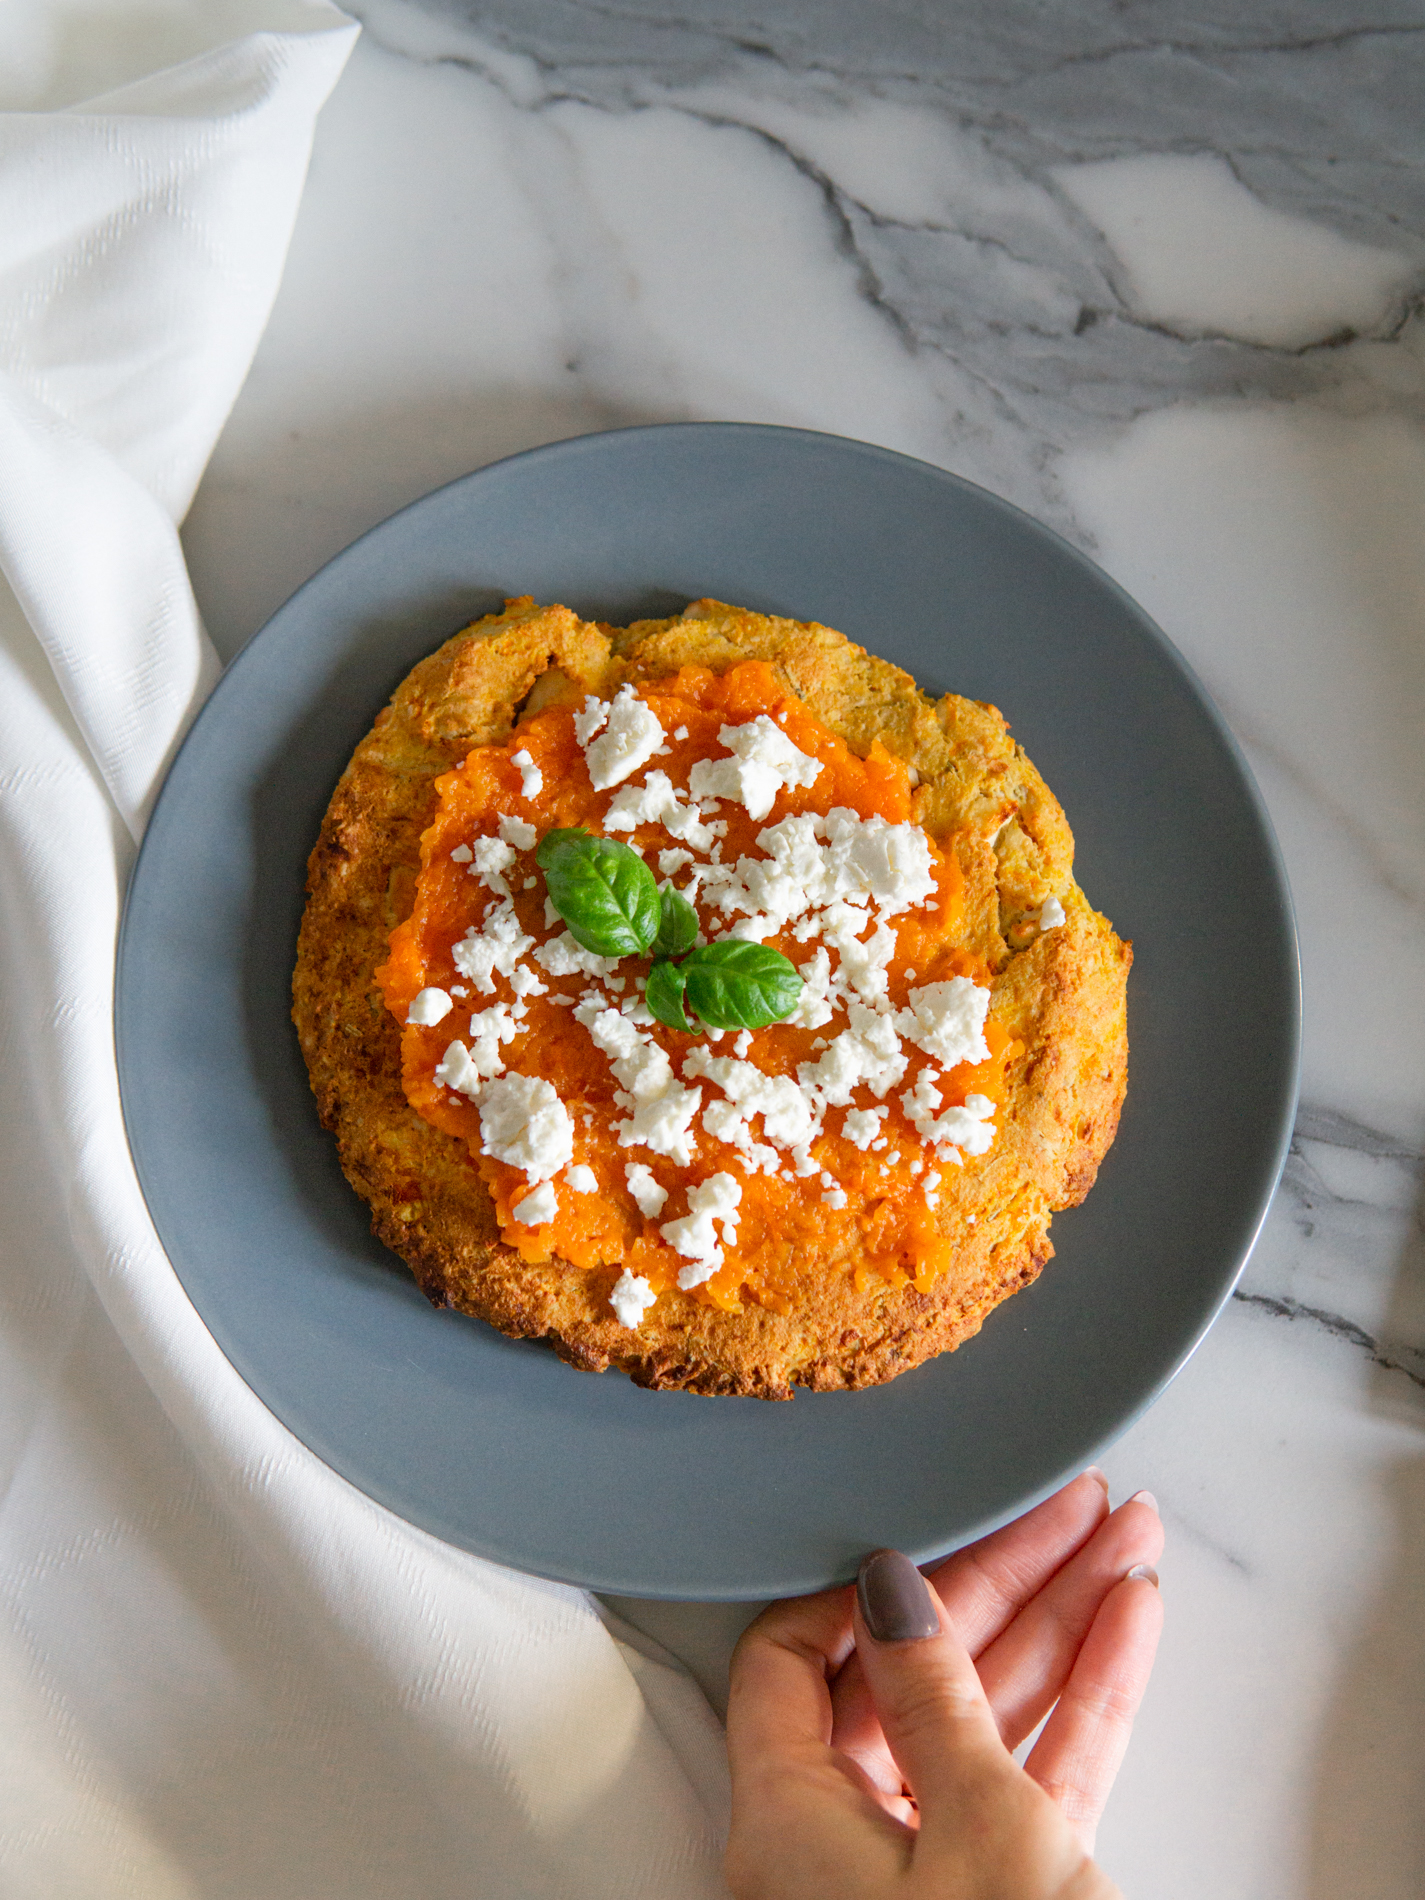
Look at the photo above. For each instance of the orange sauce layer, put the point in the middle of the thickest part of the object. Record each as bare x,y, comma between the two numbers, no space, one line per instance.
785,1229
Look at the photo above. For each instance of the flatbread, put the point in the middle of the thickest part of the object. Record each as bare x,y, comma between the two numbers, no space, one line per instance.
1059,991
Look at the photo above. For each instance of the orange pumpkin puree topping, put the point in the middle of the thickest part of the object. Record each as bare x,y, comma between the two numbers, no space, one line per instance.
723,1165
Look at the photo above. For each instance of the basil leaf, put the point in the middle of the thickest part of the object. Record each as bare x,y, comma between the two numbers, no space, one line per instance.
677,925
737,985
602,889
664,996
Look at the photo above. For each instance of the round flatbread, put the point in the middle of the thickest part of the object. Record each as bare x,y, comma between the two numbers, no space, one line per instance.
1055,971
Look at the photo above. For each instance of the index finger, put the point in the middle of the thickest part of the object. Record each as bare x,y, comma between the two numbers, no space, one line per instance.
779,1693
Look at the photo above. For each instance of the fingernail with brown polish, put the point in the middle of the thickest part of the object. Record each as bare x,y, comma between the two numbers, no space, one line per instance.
1143,1573
895,1603
1144,1497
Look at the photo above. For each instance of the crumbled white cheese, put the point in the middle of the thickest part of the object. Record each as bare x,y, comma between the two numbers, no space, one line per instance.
531,778
456,1071
681,733
631,736
428,1007
582,1179
662,1109
562,956
515,831
868,1051
814,1004
489,1029
524,1124
834,1197
1051,914
657,802
593,719
789,1113
645,1190
864,967
462,854
631,1298
694,1236
493,857
671,862
970,1128
863,1125
538,1207
947,1021
743,1043
524,982
492,947
764,762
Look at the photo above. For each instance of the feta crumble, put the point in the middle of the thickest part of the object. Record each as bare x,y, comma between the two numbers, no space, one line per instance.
562,956
524,1124
970,1128
863,1125
531,778
582,1179
632,734
429,1007
537,1208
515,831
492,858
1051,914
493,947
593,719
648,1195
764,762
631,1298
694,1236
947,1021
657,802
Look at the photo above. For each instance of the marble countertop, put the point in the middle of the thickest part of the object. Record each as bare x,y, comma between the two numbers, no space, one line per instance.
1155,274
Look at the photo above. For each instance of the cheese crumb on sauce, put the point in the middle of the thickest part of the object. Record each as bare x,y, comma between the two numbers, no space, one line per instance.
429,1007
537,1208
649,1197
778,834
531,778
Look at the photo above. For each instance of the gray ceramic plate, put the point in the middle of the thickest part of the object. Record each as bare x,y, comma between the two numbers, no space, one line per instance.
497,1446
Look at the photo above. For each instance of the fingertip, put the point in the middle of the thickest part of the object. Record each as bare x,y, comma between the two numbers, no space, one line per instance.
1143,1573
896,1603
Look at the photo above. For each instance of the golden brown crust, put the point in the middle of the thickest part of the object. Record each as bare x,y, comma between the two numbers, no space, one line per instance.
1062,997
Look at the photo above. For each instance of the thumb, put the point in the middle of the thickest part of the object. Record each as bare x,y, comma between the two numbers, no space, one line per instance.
932,1709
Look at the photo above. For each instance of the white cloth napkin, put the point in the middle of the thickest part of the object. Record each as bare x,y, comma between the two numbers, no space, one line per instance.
223,1672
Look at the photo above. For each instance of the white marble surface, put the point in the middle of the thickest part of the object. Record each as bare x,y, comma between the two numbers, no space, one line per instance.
1154,273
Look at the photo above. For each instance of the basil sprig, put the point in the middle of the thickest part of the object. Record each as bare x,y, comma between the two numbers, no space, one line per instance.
606,895
737,985
602,889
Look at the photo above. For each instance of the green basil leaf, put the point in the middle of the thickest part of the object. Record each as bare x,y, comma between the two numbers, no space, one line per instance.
664,996
737,985
677,925
603,890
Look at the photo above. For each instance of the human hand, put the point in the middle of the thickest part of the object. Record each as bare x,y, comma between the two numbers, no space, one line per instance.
876,1765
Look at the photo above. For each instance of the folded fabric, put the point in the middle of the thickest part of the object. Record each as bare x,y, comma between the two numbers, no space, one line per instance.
224,1671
